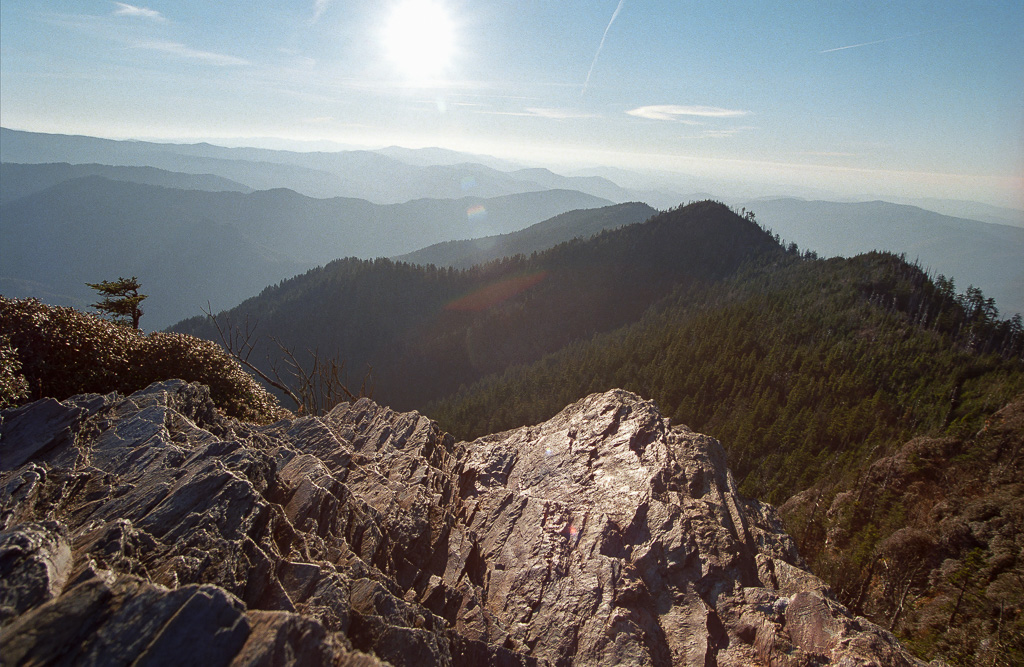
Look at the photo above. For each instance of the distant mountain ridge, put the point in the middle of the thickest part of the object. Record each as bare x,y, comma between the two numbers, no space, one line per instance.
20,180
408,322
541,236
361,174
989,256
971,210
189,247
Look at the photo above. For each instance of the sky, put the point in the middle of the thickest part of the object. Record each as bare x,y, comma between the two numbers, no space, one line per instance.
906,98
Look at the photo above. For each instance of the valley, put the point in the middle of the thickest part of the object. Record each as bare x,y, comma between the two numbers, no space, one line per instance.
842,353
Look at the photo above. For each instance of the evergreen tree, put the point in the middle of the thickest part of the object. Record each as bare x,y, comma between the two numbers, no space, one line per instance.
121,300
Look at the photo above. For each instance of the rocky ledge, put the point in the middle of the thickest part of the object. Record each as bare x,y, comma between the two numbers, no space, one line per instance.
149,529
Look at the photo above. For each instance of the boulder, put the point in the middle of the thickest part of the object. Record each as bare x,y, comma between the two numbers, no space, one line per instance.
149,528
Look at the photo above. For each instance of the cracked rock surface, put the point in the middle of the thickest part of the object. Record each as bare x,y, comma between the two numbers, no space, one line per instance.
149,529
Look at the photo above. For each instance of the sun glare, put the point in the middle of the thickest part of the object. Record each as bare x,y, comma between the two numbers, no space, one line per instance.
420,40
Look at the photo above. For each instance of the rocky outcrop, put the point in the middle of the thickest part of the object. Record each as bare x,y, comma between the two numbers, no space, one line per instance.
929,540
150,529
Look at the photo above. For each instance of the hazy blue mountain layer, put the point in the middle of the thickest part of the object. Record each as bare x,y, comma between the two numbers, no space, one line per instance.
189,247
372,175
989,256
541,236
20,180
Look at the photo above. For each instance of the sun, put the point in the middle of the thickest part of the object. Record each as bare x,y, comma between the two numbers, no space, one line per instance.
419,38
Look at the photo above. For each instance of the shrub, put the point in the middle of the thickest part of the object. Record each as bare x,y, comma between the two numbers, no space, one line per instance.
62,352
13,386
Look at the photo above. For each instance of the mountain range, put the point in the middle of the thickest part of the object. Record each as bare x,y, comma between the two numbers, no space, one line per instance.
987,255
408,321
190,247
971,252
564,227
370,175
844,388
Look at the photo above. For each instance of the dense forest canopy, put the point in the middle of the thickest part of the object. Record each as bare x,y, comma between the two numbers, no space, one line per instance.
801,366
865,397
412,325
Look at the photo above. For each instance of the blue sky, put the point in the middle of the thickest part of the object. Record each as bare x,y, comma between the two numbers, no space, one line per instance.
912,98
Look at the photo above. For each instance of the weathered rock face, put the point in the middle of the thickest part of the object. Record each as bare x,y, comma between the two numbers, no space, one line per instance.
150,529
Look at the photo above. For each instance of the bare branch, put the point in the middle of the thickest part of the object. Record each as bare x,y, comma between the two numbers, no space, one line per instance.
240,345
315,387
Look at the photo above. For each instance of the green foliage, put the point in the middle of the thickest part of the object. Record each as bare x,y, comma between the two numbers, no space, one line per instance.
802,370
926,541
13,386
121,300
62,352
426,331
811,373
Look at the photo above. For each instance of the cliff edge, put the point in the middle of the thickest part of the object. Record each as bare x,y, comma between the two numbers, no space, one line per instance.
149,529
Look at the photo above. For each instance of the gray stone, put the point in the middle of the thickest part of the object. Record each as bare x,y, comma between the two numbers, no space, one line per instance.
603,536
35,562
37,430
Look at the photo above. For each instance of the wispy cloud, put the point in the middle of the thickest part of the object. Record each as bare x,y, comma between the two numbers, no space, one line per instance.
674,112
124,9
600,46
182,51
545,112
558,114
724,133
319,7
828,154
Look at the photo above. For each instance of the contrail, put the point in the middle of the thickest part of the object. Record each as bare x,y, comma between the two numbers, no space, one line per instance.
601,46
857,46
890,39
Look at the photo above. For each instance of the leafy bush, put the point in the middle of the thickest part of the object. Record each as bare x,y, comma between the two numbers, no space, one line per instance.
59,352
13,386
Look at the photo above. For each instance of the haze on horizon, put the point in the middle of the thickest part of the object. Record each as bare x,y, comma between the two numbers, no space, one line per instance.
915,99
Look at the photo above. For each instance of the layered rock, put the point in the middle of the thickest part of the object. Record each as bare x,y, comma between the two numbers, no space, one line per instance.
149,528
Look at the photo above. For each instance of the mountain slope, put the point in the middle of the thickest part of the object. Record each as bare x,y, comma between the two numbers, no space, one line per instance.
148,526
425,331
816,355
863,395
986,255
20,180
926,541
189,247
543,235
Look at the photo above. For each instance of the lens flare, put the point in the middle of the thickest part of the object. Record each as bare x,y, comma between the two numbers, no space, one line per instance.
493,294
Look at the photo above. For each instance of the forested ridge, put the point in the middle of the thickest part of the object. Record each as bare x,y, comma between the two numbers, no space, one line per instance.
863,392
827,358
812,372
424,331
